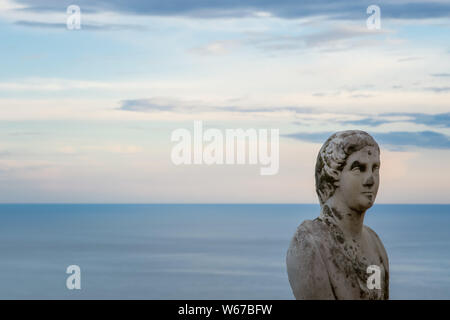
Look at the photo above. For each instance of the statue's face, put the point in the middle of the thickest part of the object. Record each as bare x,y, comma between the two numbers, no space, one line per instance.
359,180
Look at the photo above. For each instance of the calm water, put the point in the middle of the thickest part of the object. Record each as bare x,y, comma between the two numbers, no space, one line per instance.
198,251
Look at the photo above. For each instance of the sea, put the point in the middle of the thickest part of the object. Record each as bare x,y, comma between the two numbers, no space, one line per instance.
198,251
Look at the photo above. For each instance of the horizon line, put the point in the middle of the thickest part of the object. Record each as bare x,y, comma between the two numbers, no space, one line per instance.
191,203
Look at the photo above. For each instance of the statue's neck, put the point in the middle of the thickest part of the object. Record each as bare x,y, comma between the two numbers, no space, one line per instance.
349,221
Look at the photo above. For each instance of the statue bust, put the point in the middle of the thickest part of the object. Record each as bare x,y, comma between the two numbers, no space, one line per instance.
328,257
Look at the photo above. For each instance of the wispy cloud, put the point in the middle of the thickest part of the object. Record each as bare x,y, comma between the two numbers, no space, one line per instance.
85,26
266,109
157,104
440,75
340,33
361,95
439,120
25,133
390,140
61,84
217,47
438,89
333,38
288,9
407,59
108,148
144,105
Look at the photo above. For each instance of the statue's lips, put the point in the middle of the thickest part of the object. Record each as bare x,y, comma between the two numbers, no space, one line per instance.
368,194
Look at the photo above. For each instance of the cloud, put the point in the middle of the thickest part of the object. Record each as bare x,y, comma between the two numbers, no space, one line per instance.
266,109
423,139
440,74
390,140
316,137
407,59
123,149
111,148
157,104
144,105
439,120
60,84
399,140
25,133
216,47
288,9
372,122
438,89
361,95
340,33
84,26
335,38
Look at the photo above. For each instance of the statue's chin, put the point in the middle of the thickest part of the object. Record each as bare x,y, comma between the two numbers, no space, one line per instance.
362,206
366,206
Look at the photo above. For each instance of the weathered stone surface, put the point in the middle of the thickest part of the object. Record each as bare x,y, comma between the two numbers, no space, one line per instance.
328,257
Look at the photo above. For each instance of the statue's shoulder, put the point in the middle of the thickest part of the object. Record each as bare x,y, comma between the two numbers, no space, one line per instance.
376,239
373,235
308,235
307,272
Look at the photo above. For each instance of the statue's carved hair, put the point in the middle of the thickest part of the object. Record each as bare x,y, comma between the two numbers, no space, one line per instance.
332,158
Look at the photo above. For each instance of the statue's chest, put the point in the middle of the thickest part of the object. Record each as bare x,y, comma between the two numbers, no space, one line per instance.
354,275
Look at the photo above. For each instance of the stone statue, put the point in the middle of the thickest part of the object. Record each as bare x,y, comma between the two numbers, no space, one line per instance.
329,257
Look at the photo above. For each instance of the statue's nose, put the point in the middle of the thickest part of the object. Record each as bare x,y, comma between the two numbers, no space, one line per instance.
369,181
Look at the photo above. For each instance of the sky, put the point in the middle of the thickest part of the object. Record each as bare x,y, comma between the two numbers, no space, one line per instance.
86,115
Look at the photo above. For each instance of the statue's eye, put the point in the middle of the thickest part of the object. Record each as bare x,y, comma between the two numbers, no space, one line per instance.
357,167
375,167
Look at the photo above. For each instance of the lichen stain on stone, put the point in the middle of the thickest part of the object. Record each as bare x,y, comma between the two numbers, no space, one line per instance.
327,211
336,213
